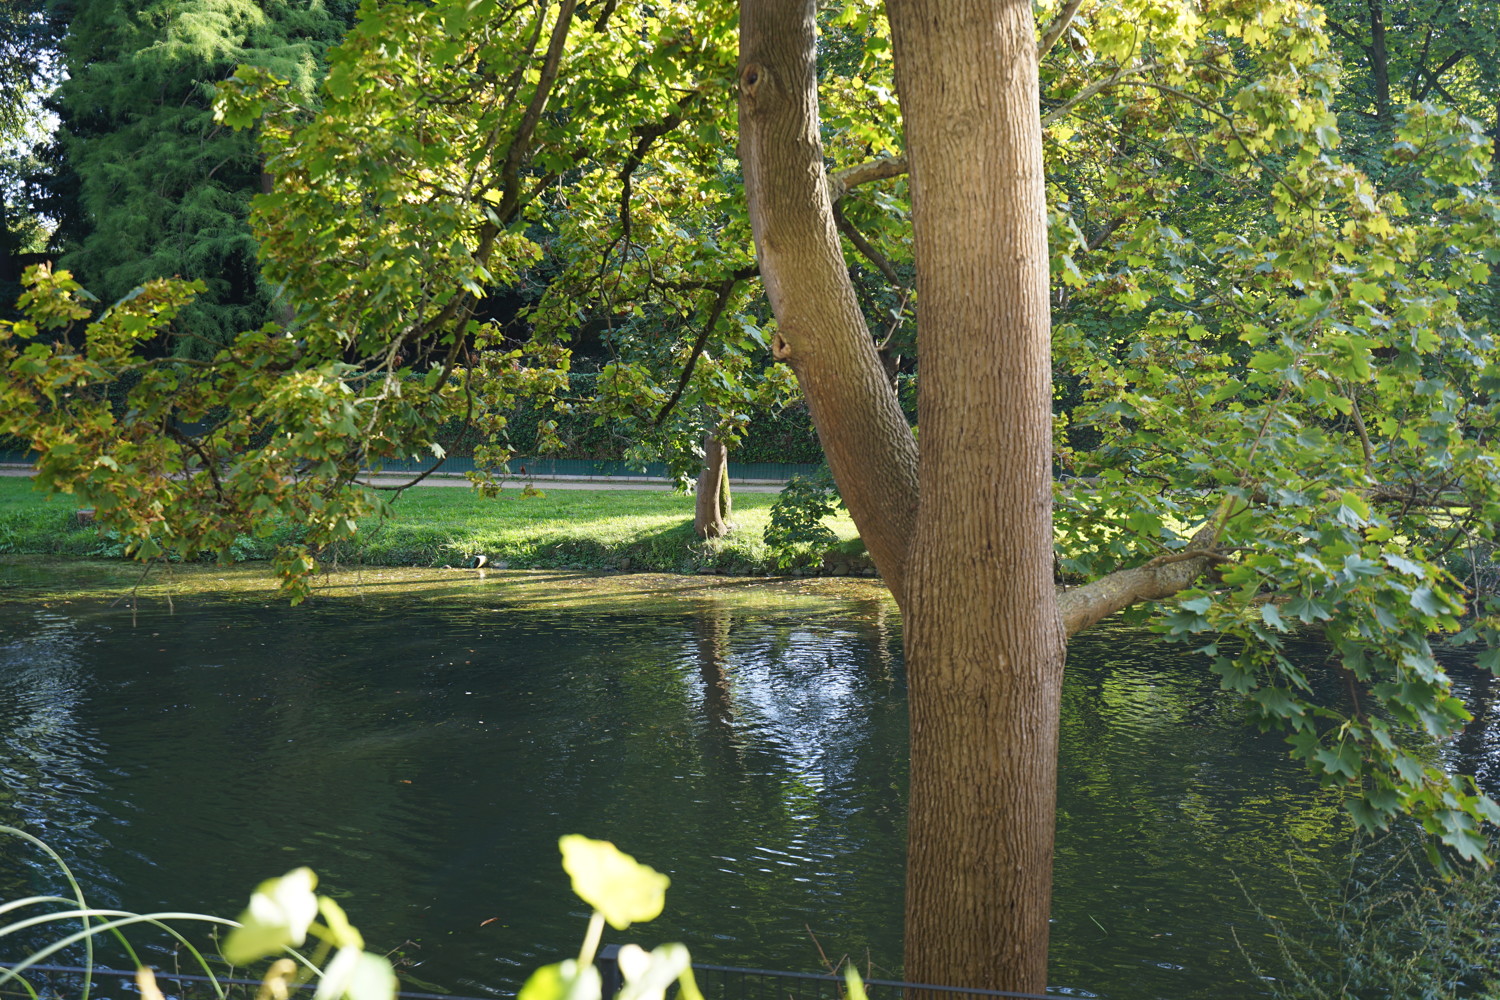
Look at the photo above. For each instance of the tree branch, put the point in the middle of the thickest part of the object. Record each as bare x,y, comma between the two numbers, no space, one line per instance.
879,169
721,299
1092,89
1433,75
1058,26
739,274
602,21
1110,228
1343,32
648,134
209,464
865,247
1359,427
520,146
1081,607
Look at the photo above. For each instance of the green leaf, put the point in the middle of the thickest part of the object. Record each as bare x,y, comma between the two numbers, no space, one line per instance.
563,981
1460,832
1425,600
1279,703
1489,660
1352,510
357,975
341,933
1344,760
854,986
1233,677
1307,609
280,911
1401,564
612,882
647,975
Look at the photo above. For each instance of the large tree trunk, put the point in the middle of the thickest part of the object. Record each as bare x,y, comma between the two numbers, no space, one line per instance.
972,566
822,333
985,646
711,511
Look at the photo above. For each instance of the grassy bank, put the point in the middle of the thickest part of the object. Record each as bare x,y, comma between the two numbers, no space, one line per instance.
632,530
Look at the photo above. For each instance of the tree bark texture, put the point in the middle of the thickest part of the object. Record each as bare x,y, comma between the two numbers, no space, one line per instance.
711,509
821,331
1081,607
984,643
971,565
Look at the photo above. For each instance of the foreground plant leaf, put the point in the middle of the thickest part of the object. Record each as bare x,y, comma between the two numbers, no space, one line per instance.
612,882
280,911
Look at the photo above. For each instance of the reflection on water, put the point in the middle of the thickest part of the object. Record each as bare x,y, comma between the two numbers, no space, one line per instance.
424,758
52,764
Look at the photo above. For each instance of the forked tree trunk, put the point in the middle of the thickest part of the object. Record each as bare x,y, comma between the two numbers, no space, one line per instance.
711,511
822,333
984,643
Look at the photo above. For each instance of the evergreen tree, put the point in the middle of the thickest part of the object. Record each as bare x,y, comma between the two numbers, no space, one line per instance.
25,43
145,183
27,65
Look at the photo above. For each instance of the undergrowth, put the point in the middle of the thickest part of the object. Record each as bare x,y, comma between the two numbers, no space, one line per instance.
1393,929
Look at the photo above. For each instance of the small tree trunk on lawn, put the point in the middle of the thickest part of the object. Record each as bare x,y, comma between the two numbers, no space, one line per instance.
726,496
711,512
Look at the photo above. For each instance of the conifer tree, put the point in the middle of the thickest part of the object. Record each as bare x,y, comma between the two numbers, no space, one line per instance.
27,64
158,188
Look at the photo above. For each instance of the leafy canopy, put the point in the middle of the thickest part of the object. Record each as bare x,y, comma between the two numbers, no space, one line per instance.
1273,362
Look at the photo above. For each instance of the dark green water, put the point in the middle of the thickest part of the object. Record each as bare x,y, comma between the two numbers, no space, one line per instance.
424,756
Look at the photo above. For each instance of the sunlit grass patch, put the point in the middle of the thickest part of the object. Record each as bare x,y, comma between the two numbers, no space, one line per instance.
638,530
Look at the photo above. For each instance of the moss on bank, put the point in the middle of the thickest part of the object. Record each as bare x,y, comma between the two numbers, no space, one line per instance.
31,580
630,530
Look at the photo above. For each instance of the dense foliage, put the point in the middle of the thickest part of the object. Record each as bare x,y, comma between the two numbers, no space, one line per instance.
1280,355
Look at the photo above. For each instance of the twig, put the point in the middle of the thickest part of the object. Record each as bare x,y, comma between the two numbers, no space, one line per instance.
866,248
726,288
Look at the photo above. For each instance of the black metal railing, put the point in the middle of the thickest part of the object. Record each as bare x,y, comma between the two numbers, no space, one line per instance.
717,982
724,982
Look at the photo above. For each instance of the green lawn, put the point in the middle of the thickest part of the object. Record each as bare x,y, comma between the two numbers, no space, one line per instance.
433,526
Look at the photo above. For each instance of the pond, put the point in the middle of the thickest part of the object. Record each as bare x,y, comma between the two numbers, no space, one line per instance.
421,741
